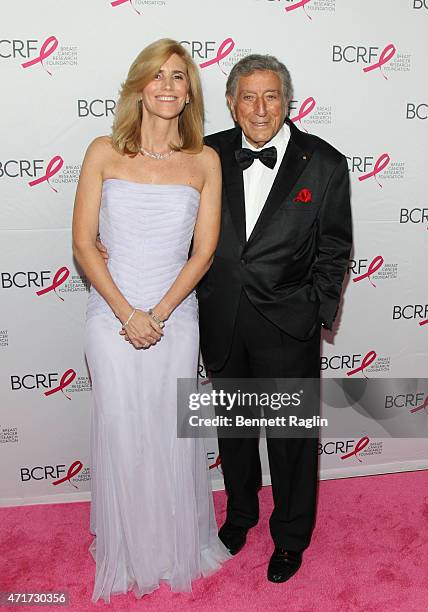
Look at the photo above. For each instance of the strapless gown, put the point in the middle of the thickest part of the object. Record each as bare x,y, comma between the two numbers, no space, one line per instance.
151,511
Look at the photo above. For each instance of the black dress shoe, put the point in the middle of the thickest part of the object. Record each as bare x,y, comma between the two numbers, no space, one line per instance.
283,564
233,537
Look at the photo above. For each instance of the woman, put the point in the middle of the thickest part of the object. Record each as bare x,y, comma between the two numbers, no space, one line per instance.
149,190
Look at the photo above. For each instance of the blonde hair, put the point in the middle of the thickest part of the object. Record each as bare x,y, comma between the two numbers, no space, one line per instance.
126,134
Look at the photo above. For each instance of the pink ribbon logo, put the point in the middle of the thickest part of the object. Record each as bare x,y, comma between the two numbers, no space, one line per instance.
223,51
119,2
425,322
47,48
53,167
360,445
421,407
305,109
216,464
59,278
74,469
373,267
367,360
66,379
386,55
380,164
300,4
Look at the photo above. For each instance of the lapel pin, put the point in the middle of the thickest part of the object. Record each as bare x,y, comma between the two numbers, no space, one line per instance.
304,157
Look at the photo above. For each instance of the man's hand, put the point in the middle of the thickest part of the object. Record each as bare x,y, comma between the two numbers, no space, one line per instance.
101,249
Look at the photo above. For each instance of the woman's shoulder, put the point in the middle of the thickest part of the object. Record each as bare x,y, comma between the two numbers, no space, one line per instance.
101,144
209,157
101,150
208,163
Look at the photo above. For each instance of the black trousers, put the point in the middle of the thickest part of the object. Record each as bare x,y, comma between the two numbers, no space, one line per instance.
261,350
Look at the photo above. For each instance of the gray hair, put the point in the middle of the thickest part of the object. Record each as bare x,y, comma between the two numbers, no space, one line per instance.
249,64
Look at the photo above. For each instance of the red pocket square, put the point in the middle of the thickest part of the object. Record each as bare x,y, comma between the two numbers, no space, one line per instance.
304,195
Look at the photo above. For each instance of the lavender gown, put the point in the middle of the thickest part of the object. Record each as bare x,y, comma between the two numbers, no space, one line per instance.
151,511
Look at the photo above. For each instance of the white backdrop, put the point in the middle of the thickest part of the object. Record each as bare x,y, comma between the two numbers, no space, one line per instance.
359,71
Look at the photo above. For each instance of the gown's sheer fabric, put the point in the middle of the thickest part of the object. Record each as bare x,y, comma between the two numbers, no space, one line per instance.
152,511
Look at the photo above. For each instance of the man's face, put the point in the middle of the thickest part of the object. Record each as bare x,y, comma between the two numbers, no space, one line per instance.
259,106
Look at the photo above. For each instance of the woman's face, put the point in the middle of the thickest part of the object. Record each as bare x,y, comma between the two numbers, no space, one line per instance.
167,94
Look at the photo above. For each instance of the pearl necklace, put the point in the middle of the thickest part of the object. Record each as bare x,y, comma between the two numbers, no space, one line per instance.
157,156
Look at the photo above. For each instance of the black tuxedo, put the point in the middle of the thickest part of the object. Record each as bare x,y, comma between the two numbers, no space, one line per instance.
261,306
293,264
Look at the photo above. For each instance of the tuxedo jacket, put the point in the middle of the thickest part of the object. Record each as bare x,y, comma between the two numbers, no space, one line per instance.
293,264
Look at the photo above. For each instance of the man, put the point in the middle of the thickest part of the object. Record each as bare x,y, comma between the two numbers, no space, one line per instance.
275,280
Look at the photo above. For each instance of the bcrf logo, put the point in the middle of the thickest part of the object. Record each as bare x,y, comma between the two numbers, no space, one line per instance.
360,54
23,279
214,461
35,279
38,55
340,362
410,311
414,215
305,109
48,47
205,49
21,168
95,108
363,269
43,380
344,448
417,111
18,48
200,49
356,362
360,445
55,473
21,49
336,447
404,400
24,168
367,166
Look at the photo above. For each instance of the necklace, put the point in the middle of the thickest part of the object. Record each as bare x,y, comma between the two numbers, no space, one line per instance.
158,156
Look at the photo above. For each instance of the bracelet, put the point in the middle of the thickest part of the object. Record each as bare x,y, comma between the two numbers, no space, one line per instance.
155,318
134,310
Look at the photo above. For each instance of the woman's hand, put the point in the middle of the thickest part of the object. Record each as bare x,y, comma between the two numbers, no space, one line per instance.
142,330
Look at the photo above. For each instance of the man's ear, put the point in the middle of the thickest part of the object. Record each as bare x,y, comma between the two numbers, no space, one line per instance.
231,105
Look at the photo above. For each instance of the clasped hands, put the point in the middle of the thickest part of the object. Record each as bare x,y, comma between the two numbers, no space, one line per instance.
141,330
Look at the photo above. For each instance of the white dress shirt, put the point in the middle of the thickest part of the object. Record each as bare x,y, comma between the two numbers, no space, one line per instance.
258,178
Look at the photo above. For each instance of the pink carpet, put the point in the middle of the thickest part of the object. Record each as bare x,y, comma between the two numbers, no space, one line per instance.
369,553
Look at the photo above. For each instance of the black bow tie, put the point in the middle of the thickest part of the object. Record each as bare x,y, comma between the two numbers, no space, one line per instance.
245,157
